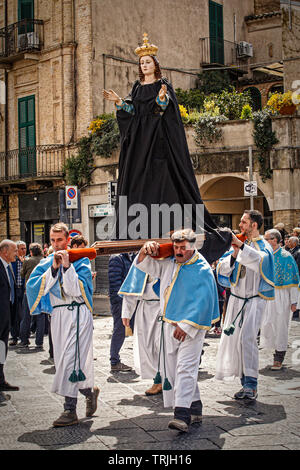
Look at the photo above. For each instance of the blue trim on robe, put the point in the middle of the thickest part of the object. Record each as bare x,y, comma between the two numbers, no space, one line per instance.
135,283
286,269
193,295
266,285
35,285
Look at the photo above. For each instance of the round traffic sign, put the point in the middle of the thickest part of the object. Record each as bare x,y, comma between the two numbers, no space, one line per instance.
71,193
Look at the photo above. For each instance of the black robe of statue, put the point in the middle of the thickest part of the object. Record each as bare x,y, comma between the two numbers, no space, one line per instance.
155,165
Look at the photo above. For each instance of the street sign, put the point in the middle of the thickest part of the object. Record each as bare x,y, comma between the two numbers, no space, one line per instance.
101,210
250,188
112,192
74,233
71,197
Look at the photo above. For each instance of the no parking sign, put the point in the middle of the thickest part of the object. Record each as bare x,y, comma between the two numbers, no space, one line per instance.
71,197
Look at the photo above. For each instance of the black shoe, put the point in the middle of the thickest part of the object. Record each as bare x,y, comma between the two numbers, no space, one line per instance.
6,387
13,342
24,344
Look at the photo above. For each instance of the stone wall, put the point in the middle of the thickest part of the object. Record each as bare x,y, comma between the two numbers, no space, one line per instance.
266,6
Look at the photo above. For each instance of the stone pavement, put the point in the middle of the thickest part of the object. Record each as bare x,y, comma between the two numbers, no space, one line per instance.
128,420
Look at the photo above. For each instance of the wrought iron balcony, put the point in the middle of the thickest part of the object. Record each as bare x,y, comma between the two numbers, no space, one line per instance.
40,162
215,51
25,36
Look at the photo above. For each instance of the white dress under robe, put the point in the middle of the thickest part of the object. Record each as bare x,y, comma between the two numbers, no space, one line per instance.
147,329
181,358
238,353
63,331
276,319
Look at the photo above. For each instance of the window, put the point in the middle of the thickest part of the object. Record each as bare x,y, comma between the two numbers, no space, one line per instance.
255,97
216,33
26,116
26,12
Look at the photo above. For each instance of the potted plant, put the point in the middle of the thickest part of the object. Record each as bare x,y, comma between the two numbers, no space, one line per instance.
282,103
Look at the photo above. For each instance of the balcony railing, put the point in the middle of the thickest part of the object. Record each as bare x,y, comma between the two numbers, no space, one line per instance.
18,38
220,52
43,161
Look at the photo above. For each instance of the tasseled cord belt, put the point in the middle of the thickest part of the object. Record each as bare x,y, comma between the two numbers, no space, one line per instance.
74,377
230,329
157,378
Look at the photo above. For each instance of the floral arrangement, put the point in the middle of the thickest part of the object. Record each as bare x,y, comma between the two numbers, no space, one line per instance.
278,101
183,112
95,125
211,108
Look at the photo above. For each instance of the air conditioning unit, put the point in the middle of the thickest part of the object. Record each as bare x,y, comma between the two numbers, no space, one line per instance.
244,49
28,41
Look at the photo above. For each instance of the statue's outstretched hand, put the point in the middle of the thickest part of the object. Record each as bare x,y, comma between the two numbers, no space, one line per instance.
110,95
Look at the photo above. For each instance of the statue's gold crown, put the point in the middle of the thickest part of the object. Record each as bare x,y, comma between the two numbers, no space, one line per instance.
146,48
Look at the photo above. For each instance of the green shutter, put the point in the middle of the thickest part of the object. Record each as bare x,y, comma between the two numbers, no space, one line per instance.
27,153
26,11
216,33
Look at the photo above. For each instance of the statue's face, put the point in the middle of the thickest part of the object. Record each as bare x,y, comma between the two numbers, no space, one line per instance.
147,65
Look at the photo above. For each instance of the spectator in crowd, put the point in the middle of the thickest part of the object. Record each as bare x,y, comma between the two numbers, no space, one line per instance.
45,249
286,242
295,249
17,312
296,232
282,231
36,254
8,253
78,242
118,268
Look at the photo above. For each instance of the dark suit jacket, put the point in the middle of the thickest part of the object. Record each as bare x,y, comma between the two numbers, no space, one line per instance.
5,306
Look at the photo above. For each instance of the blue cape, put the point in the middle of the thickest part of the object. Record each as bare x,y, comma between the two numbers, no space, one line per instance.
266,284
286,269
39,303
135,283
192,296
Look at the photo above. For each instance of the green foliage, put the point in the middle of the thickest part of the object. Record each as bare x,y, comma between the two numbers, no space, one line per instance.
78,168
107,138
231,103
264,139
191,99
103,139
207,130
246,112
214,81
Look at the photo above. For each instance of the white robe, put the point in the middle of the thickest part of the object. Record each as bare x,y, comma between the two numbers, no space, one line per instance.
238,353
181,358
276,319
147,329
63,331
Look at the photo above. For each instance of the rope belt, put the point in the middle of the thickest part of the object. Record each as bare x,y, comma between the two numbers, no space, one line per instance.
74,377
157,378
230,330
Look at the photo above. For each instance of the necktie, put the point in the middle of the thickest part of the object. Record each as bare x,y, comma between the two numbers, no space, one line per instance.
12,285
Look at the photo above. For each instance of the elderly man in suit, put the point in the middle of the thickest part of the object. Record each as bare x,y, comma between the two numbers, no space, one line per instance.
8,253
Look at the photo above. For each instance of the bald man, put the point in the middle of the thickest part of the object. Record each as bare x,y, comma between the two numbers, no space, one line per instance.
8,253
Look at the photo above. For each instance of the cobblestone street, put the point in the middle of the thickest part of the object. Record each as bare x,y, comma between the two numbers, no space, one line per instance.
126,419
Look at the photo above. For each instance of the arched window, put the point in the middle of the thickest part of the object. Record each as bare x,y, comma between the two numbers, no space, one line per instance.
275,89
256,97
